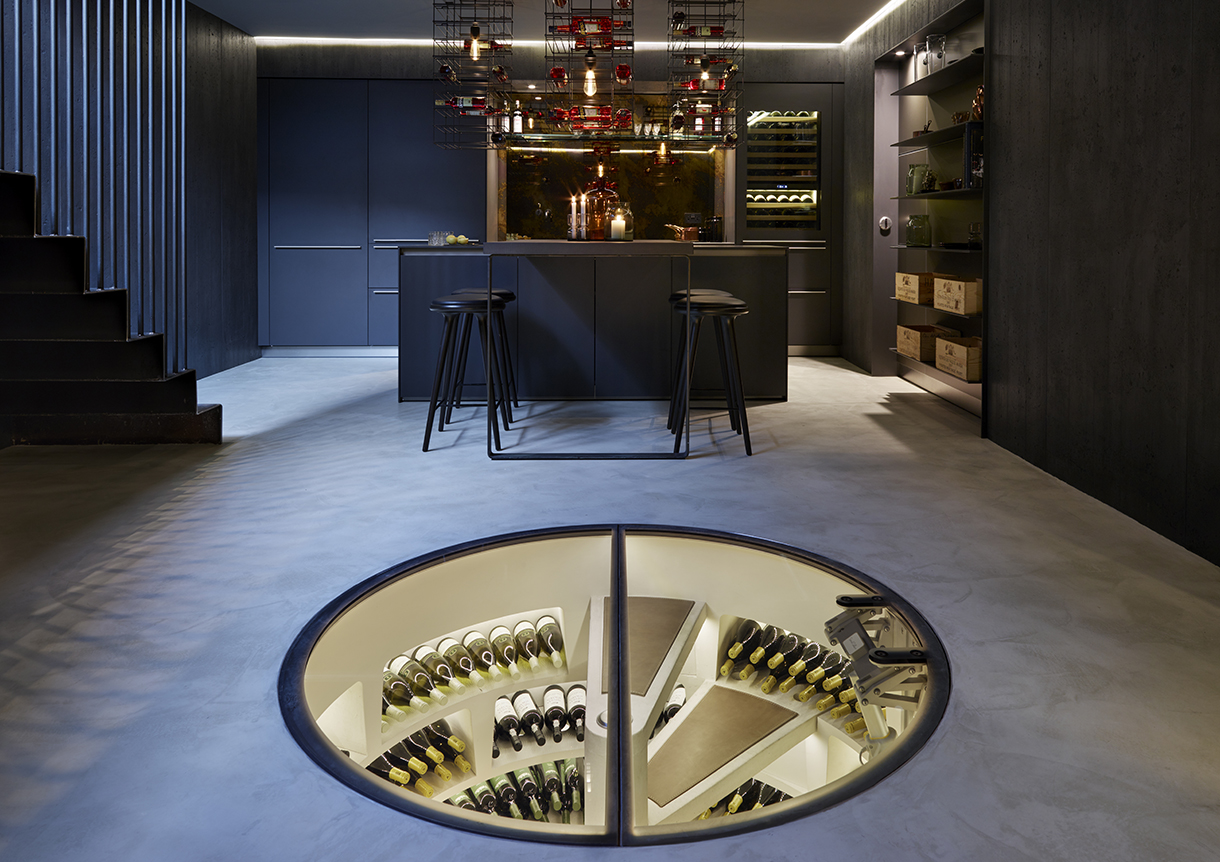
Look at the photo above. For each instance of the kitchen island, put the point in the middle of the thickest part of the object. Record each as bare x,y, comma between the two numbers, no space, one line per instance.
592,319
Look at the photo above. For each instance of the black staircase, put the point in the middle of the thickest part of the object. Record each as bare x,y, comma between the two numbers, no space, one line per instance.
69,373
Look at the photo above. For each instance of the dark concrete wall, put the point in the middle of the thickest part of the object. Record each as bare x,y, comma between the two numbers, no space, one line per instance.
221,183
1103,251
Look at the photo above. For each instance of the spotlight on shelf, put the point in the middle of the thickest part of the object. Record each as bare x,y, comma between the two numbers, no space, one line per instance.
474,41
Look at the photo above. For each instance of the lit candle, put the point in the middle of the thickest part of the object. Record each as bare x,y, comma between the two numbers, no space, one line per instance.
618,226
573,226
584,218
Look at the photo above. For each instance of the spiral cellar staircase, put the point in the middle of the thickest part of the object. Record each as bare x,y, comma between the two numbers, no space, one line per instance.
69,372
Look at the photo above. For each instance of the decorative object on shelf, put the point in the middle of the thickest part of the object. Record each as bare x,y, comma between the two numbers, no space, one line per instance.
976,107
929,183
919,231
916,174
471,44
961,117
975,234
706,53
934,56
598,37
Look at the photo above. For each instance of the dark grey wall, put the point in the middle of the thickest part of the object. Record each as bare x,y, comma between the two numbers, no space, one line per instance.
1103,252
221,184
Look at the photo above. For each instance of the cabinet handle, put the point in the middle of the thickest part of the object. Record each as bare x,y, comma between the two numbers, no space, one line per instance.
399,240
355,247
385,248
385,292
809,291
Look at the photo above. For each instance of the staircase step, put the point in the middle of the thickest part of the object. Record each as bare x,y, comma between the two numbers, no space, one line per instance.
18,204
174,394
43,264
197,426
141,358
99,315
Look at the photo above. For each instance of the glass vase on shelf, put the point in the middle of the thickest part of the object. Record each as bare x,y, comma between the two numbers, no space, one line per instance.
916,175
919,232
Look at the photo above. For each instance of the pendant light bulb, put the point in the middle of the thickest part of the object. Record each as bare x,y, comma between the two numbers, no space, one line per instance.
474,41
601,168
590,80
705,64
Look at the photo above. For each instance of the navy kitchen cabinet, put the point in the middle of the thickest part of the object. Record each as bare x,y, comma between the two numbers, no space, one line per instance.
317,212
415,186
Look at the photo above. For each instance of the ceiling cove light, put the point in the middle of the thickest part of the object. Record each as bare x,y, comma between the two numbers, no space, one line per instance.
867,25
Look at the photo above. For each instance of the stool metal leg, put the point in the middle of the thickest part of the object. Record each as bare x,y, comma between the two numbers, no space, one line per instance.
722,355
500,354
735,371
678,368
438,377
683,408
463,352
489,372
508,359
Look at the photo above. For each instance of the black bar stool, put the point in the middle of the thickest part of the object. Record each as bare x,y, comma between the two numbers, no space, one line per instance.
723,311
676,298
458,311
498,323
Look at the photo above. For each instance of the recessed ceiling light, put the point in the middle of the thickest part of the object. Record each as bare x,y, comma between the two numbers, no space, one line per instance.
533,86
900,53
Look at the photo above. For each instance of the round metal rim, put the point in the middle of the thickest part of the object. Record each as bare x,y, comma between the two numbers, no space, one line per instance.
305,731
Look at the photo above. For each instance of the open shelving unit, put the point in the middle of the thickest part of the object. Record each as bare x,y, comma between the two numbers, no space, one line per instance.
952,147
643,610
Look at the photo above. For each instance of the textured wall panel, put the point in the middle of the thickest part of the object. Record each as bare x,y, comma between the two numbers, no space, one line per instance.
222,177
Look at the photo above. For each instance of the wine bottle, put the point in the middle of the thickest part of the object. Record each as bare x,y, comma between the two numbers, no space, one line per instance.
462,799
742,669
505,650
460,660
390,711
832,665
770,636
769,683
828,685
677,700
552,784
419,745
551,639
526,639
572,783
554,710
848,695
786,652
527,786
484,797
769,796
398,691
811,657
528,714
842,710
385,768
746,796
448,745
484,656
401,757
506,720
855,725
495,741
439,669
506,795
417,677
748,634
576,710
724,800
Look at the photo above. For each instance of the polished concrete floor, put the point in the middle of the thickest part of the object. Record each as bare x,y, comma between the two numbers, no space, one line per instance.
148,594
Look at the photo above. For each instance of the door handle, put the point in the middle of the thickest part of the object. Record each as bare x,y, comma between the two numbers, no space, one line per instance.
344,247
385,292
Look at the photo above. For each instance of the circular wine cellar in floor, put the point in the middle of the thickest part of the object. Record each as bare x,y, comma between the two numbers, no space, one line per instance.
614,684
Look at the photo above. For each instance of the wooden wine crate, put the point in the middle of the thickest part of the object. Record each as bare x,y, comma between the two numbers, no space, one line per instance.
914,286
961,357
960,296
919,342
